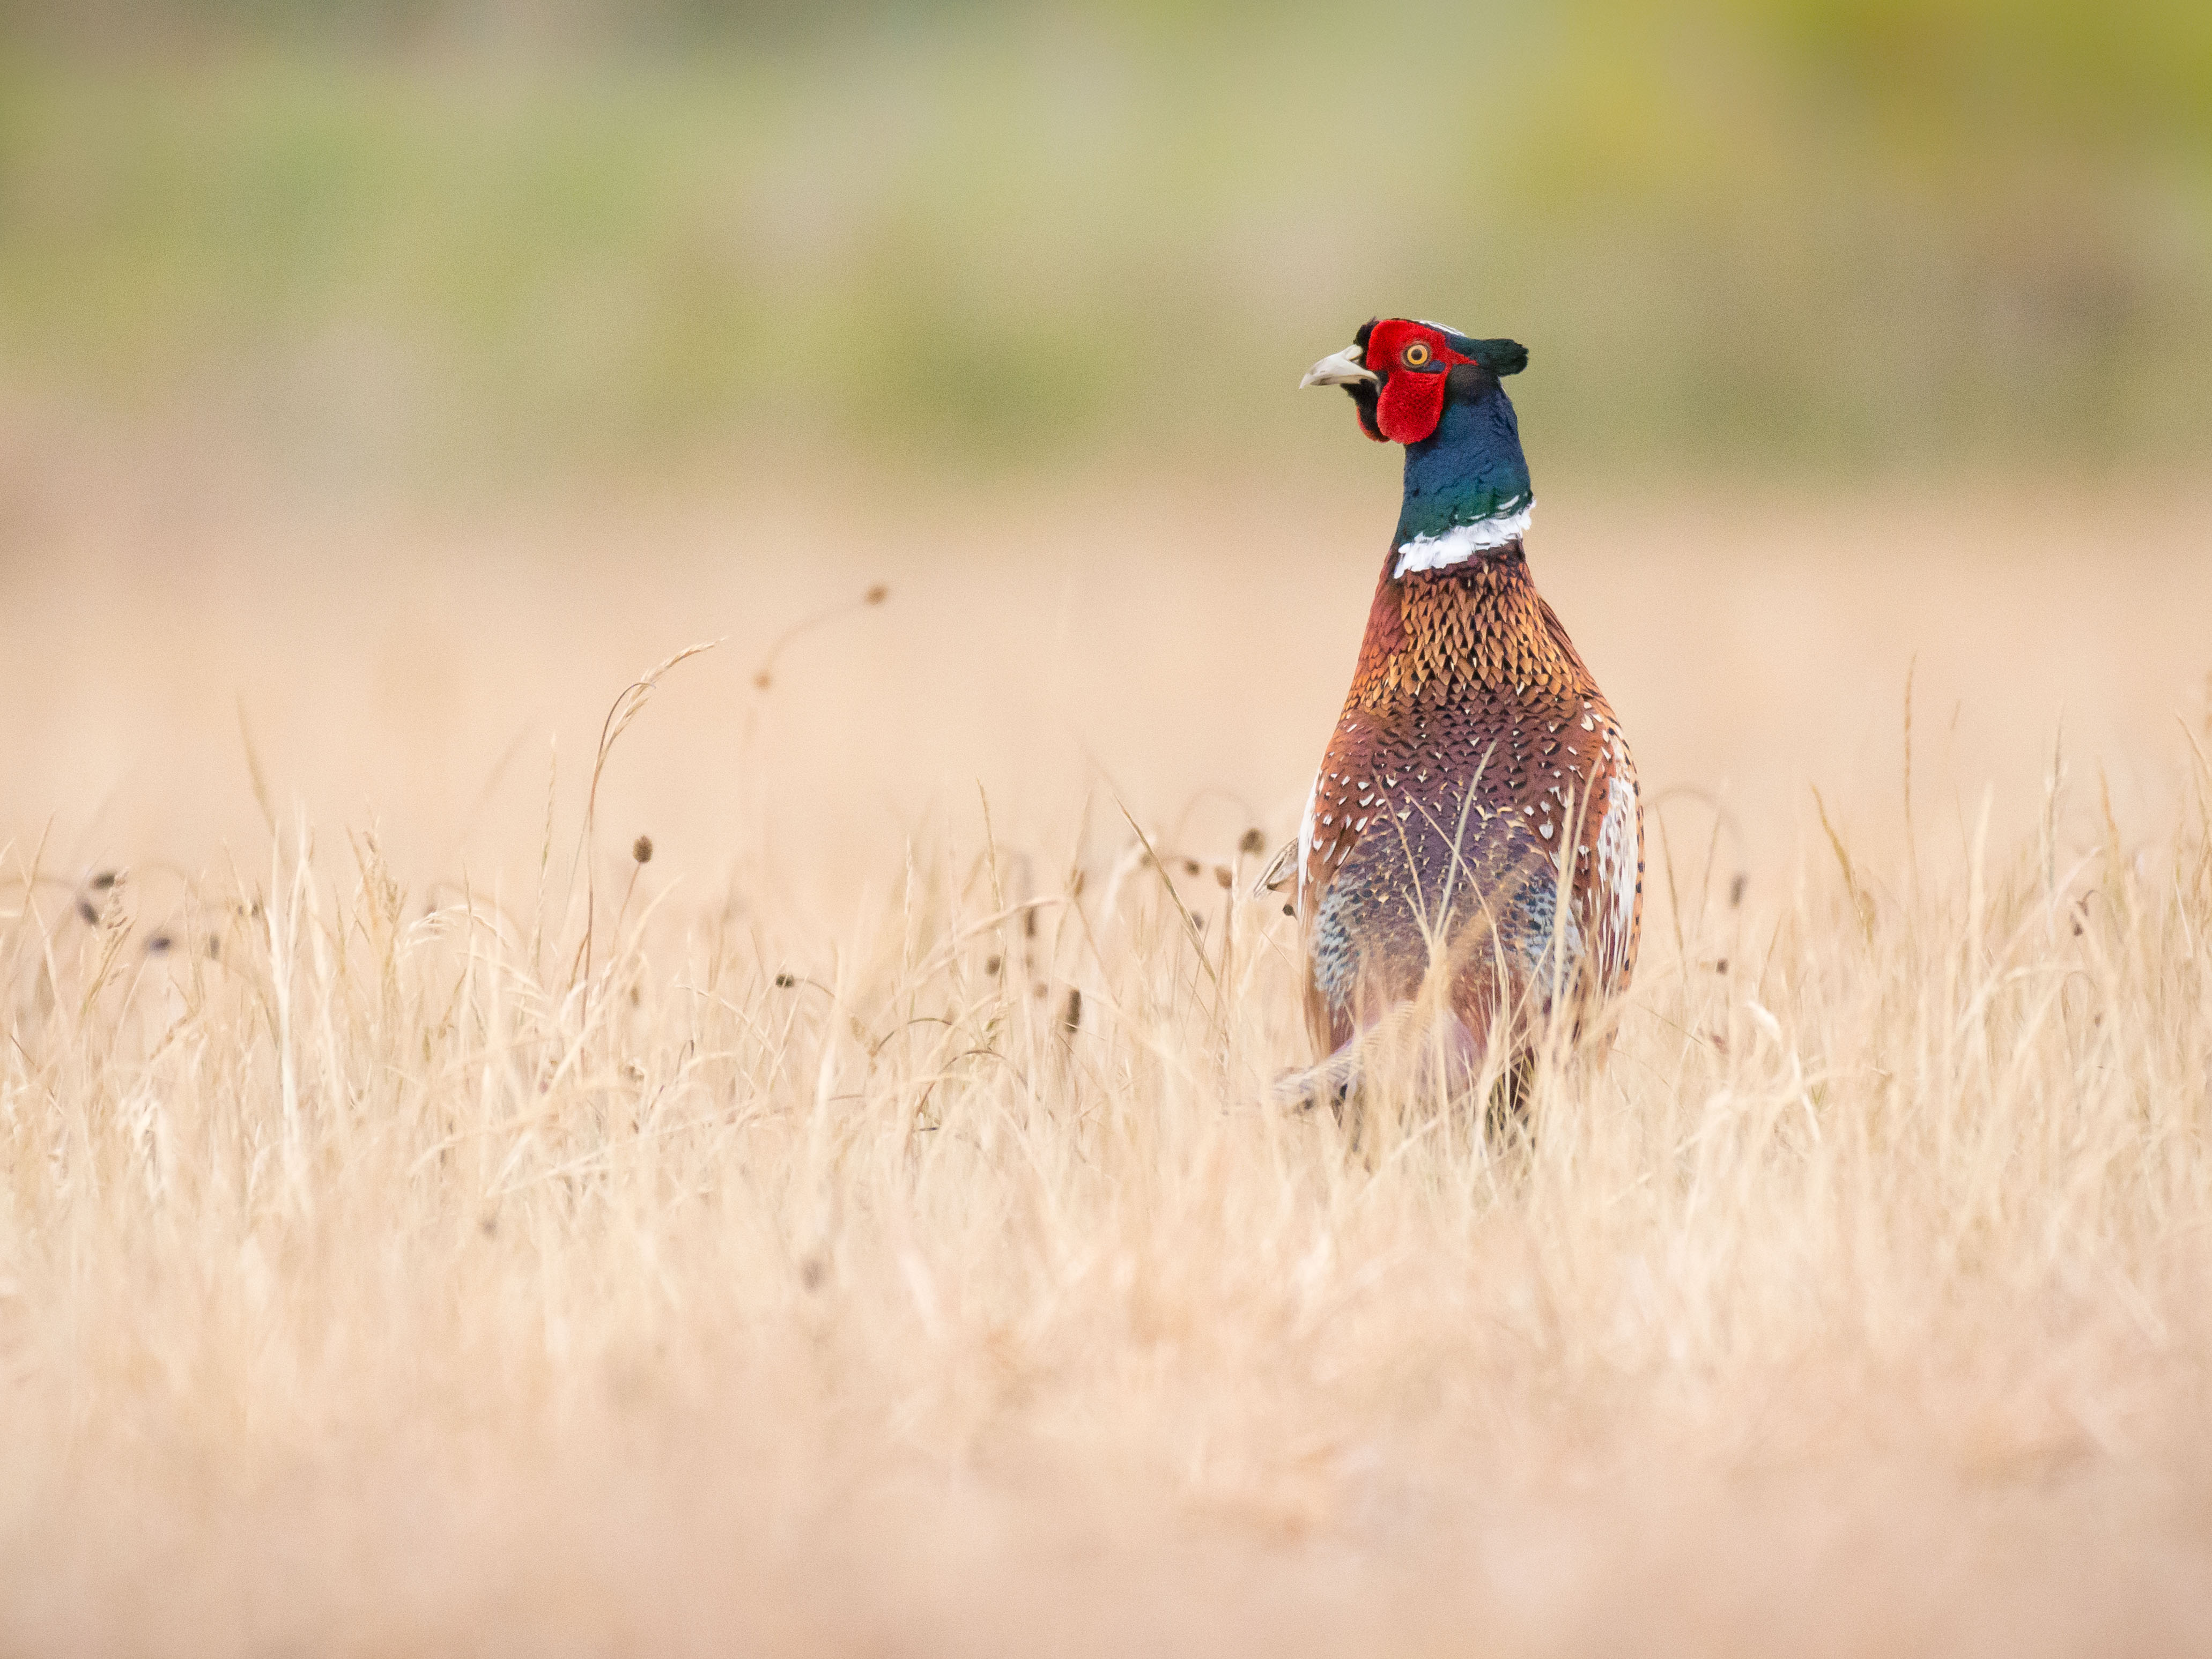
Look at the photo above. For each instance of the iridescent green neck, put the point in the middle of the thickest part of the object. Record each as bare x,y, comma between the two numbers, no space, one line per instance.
1469,475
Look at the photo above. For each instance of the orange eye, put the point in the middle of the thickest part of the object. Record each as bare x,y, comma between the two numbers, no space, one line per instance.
1414,355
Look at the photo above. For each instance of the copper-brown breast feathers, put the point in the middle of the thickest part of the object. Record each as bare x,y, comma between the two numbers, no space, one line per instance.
1476,778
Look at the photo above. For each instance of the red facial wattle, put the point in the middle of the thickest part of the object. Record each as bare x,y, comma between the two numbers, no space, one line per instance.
1413,361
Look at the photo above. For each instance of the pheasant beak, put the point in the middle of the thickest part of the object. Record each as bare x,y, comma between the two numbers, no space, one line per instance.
1341,370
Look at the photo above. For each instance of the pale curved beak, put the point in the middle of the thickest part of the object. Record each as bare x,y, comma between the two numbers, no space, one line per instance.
1341,370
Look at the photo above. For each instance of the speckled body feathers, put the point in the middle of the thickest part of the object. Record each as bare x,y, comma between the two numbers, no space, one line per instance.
1476,814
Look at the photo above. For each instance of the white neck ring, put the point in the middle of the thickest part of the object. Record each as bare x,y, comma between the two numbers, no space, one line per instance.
1462,541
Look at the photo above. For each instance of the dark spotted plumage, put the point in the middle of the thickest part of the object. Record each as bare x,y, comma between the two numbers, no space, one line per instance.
1476,825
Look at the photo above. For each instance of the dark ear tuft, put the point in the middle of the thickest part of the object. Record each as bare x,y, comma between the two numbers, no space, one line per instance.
1500,357
1365,329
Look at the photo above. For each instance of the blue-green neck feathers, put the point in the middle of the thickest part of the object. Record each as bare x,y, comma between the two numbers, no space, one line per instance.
1468,470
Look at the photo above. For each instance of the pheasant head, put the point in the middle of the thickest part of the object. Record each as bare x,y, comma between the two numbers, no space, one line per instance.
1440,394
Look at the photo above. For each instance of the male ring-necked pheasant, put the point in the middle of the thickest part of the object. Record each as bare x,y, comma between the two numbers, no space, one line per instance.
1472,852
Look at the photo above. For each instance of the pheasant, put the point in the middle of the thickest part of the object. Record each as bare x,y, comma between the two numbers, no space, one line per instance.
1470,863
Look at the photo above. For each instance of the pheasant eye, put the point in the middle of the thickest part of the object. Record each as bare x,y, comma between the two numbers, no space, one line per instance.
1414,354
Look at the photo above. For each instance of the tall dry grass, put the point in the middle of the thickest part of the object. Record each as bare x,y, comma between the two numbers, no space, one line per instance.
385,1272
876,1243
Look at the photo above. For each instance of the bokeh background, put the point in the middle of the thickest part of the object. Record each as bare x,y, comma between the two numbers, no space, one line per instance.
383,385
432,234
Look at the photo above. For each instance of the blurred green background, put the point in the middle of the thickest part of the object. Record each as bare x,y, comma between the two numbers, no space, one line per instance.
433,237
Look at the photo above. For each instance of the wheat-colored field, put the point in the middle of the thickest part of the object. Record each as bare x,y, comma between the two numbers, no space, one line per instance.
860,1228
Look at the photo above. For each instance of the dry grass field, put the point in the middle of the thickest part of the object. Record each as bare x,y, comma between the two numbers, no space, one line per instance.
858,1229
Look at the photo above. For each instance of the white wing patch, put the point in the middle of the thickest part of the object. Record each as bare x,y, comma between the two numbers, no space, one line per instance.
1305,838
1618,852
